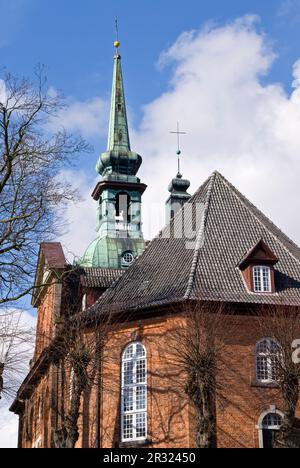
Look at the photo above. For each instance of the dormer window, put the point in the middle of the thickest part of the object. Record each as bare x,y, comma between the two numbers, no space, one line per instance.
262,279
257,268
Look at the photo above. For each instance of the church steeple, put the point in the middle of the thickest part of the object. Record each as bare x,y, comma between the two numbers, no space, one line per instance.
118,135
118,160
119,226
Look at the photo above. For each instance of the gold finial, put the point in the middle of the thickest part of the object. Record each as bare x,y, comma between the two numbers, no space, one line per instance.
117,42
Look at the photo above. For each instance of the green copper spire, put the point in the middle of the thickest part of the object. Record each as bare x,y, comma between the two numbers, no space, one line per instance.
118,136
118,160
119,192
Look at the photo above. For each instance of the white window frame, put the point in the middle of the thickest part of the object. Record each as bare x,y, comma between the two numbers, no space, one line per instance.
269,370
134,412
261,269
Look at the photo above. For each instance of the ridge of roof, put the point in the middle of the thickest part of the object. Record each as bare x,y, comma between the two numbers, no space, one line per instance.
200,234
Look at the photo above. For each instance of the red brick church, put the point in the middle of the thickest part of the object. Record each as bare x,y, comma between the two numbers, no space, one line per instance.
218,252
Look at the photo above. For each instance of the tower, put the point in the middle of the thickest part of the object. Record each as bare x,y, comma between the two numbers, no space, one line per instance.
118,195
179,196
178,186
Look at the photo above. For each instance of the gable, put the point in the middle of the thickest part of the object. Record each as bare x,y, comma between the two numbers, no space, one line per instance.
51,257
260,253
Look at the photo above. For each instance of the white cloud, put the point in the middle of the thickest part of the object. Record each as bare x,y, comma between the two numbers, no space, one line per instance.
8,428
89,118
9,421
80,217
247,130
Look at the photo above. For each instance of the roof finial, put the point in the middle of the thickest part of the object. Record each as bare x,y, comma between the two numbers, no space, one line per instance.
117,42
178,152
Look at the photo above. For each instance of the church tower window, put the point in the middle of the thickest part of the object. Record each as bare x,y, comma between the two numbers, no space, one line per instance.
134,393
127,258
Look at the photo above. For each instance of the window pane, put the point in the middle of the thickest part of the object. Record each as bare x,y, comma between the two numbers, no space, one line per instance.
129,352
262,368
128,426
128,399
140,425
141,398
141,371
272,420
257,286
128,373
274,368
140,350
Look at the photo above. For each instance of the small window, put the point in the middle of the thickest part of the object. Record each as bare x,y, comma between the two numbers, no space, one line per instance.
262,279
268,361
127,258
134,393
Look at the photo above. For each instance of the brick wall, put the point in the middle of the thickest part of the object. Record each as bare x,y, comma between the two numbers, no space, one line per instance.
239,403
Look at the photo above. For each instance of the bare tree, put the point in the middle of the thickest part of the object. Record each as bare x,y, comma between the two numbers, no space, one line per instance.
197,344
80,351
282,325
16,345
31,193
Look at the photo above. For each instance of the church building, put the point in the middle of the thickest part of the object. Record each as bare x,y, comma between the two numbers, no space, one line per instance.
217,252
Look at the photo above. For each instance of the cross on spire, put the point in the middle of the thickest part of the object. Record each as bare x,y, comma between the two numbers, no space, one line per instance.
178,133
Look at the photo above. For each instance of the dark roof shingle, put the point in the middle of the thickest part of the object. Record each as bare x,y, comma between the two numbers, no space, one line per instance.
176,267
99,277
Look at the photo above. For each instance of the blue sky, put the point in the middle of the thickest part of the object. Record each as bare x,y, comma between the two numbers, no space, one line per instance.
229,83
73,39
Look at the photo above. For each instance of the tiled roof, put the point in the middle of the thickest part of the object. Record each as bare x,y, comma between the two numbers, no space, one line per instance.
227,227
99,277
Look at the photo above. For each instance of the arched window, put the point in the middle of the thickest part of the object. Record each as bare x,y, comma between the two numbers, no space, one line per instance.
134,393
268,359
269,424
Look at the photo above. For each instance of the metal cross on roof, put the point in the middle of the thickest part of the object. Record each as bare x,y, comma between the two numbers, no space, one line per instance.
178,133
